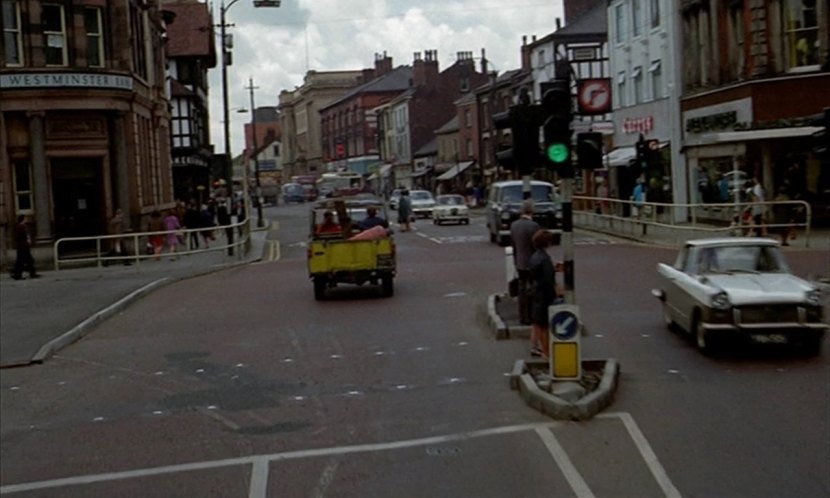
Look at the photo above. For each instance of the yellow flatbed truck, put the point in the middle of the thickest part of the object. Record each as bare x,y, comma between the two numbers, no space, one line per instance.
335,257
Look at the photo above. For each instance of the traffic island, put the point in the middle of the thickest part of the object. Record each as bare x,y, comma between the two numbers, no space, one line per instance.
573,400
503,315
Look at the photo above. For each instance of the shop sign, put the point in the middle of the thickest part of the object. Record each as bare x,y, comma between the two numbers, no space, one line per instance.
712,122
638,125
65,80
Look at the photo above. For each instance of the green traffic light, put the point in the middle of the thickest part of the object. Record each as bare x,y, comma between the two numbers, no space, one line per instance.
558,153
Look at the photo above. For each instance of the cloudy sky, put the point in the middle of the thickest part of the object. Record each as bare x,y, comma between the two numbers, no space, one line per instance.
277,46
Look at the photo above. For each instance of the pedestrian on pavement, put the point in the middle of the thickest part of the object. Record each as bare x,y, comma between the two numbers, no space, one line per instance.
116,227
240,216
156,224
206,223
638,196
192,221
758,196
172,225
521,234
543,281
404,211
23,243
223,217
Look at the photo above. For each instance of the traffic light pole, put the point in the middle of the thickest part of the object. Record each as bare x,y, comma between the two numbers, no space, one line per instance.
567,238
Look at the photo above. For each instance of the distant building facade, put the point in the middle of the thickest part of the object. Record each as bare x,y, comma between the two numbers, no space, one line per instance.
191,52
301,128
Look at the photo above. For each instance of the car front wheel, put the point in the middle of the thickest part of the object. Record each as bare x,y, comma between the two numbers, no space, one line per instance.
703,338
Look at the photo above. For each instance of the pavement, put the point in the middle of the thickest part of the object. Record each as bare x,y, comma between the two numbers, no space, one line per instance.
41,316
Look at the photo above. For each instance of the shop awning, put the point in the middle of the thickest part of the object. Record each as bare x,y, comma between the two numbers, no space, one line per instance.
747,135
619,156
455,170
383,171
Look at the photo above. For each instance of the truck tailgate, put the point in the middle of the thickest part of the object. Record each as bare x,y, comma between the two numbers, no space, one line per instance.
346,255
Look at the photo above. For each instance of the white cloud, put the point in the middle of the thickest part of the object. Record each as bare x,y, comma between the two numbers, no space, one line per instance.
276,47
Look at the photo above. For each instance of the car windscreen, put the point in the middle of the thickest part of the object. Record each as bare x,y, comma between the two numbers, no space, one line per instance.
420,195
539,193
744,258
450,200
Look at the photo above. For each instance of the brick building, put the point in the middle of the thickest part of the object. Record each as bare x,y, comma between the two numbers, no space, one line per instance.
84,118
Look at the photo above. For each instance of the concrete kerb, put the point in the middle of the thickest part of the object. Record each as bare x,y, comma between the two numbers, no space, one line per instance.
561,409
86,326
500,328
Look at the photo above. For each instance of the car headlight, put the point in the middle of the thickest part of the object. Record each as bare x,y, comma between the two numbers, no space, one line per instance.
505,215
720,301
813,297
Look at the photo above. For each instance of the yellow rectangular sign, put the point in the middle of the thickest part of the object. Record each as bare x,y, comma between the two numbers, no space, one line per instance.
565,359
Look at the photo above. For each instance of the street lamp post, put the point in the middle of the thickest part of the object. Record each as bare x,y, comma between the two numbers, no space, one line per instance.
228,166
255,147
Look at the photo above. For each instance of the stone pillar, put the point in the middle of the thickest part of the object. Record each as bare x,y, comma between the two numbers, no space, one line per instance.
118,166
40,177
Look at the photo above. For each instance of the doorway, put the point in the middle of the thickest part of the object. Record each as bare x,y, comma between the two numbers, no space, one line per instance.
77,196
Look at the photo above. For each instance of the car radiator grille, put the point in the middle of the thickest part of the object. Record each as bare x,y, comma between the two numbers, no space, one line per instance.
777,313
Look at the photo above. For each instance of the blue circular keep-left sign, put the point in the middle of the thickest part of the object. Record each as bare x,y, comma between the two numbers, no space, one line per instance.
564,324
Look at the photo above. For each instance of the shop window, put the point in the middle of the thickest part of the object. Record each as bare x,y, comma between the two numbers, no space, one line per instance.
621,100
801,28
655,13
12,40
637,17
24,203
54,34
93,23
656,73
637,81
619,23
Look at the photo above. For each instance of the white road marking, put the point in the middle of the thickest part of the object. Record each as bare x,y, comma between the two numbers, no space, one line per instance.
273,457
648,454
259,479
574,478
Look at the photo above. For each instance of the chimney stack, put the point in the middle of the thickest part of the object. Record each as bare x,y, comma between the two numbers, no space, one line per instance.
425,71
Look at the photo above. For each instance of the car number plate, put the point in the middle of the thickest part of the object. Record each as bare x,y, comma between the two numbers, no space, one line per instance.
769,338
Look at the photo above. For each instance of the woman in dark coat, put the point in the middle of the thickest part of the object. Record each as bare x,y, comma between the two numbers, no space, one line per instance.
404,211
543,291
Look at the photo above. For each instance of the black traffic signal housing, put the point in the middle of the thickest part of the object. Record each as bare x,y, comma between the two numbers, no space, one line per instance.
641,159
821,138
504,153
589,150
557,115
523,152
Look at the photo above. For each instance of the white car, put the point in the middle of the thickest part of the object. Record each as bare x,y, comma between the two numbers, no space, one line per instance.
422,203
739,289
450,207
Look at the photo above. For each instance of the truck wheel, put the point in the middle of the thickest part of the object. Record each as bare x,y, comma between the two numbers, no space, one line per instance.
319,289
388,286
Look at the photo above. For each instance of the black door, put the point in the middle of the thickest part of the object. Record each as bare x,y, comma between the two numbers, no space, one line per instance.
78,197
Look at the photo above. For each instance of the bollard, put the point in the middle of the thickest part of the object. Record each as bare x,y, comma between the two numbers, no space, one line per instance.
509,267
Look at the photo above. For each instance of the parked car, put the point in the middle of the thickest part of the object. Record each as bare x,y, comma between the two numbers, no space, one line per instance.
504,205
394,198
739,290
293,192
450,207
422,203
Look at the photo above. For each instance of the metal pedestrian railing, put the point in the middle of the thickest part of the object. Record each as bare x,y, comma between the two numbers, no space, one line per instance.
779,218
97,250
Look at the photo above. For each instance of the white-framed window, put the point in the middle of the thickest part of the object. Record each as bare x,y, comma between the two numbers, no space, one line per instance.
23,198
800,19
636,17
469,148
12,39
655,72
621,89
637,83
655,13
468,120
619,23
54,34
94,25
